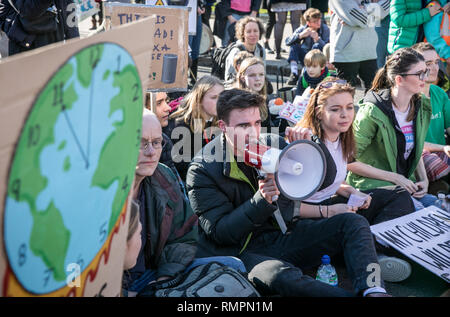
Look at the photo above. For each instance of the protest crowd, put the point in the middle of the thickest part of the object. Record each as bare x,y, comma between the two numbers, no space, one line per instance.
196,198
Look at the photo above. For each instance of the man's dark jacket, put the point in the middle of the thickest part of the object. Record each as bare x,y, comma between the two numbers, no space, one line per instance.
230,209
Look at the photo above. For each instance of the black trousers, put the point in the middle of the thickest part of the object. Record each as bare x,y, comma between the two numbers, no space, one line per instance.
350,71
275,260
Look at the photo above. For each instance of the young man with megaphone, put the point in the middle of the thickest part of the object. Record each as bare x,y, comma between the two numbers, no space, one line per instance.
235,211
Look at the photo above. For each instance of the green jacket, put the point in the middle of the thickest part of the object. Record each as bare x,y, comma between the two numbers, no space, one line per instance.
440,119
376,140
406,17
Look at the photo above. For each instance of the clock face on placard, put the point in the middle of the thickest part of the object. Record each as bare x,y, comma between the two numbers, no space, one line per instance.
73,166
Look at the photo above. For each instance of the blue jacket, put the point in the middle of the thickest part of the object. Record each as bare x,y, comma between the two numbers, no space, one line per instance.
432,33
308,43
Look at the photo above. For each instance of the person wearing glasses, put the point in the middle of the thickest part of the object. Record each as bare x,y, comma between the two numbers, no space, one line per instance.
163,212
390,129
169,227
436,156
328,121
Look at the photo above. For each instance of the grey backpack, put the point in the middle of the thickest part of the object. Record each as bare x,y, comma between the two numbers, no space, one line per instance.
208,280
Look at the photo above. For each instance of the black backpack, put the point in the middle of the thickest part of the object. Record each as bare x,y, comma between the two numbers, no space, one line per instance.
207,280
220,55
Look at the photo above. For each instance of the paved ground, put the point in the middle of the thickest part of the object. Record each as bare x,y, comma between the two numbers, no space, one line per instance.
421,283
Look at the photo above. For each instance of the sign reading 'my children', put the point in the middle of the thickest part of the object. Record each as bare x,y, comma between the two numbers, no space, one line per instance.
423,236
169,55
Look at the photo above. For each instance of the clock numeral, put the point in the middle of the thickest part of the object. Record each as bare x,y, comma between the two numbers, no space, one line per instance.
34,133
138,138
22,254
103,232
118,64
58,97
47,275
136,92
125,183
15,188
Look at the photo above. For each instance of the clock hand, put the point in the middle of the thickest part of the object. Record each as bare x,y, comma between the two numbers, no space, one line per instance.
76,138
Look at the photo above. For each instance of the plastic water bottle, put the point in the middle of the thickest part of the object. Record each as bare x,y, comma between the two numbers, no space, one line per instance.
326,272
441,202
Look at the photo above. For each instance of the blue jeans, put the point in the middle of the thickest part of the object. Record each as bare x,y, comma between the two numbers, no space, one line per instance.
297,52
383,36
194,40
226,35
425,201
150,275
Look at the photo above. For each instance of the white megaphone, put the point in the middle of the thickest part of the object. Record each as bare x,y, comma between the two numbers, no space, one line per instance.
299,168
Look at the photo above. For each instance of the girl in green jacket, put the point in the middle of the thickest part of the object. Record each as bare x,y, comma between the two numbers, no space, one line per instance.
390,129
406,18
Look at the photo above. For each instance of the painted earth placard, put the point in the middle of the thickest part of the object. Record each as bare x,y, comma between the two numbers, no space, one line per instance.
72,169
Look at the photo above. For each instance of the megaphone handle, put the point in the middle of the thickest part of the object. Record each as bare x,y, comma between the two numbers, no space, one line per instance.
261,176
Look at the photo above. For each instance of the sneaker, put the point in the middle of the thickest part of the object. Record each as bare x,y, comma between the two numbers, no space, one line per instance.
394,269
292,80
278,56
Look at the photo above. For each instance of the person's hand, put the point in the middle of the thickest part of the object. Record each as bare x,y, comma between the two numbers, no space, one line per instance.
268,188
447,150
446,8
200,11
314,35
297,133
423,189
434,9
337,209
306,32
407,184
367,199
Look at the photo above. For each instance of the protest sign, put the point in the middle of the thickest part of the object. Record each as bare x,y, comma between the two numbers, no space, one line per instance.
423,236
86,8
168,57
67,112
190,4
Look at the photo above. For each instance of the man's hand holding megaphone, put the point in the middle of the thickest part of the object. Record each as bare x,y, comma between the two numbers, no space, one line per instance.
268,188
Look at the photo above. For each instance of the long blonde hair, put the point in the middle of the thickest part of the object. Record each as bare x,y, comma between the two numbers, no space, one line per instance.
191,110
240,82
314,109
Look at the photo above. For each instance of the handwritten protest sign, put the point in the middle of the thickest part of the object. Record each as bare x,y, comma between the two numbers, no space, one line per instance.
169,58
86,8
191,4
423,236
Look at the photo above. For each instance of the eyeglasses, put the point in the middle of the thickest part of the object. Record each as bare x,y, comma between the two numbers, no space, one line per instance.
156,144
422,74
329,84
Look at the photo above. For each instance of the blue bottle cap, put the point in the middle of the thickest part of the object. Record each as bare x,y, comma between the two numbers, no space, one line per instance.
326,259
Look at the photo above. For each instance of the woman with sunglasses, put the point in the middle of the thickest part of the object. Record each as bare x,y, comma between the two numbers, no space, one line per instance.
390,129
328,121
